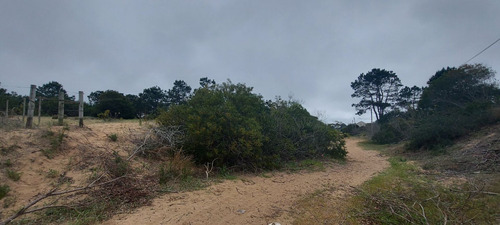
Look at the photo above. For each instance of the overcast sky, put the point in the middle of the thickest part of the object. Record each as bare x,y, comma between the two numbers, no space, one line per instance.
311,50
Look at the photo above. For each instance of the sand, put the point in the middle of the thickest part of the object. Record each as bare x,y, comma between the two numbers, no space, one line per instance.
257,199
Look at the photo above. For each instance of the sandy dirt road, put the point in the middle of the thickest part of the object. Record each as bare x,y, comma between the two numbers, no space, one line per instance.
256,199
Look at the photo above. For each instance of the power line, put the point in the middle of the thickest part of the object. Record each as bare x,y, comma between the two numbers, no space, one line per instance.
482,51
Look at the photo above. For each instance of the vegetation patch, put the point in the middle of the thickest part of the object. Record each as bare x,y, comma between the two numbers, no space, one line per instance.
306,164
403,195
7,150
55,142
52,173
13,175
4,189
229,125
319,208
113,137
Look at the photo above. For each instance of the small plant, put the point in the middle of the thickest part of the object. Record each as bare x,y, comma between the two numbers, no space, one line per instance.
52,173
7,163
104,115
7,150
13,175
4,189
118,166
113,137
178,166
8,201
49,153
307,164
225,173
56,141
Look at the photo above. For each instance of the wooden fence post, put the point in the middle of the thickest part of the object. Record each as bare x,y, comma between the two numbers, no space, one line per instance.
61,107
31,107
39,110
80,108
24,108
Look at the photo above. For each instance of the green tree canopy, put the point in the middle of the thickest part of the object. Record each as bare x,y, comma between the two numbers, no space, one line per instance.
118,105
179,93
378,90
457,101
458,88
94,97
49,92
409,97
152,99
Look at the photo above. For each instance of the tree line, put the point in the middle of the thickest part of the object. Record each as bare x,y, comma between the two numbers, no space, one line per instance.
455,102
116,104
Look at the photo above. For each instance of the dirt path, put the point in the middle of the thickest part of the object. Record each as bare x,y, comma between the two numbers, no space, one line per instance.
255,199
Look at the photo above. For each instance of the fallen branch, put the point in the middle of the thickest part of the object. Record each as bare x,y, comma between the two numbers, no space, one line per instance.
54,192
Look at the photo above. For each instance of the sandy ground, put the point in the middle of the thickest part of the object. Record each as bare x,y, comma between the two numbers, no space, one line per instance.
80,151
256,199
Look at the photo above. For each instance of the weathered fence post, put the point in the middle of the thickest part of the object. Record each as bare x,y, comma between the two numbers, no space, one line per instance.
61,107
24,108
7,109
80,108
39,110
31,107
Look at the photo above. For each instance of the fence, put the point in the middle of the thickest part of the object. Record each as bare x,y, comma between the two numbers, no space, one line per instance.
7,115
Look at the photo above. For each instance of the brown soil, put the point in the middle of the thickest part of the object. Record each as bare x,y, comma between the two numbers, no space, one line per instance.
257,199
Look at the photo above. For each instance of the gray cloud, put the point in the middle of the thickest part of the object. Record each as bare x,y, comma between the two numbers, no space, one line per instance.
310,49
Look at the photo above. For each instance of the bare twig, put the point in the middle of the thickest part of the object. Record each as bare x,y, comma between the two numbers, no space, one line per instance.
209,167
423,214
50,193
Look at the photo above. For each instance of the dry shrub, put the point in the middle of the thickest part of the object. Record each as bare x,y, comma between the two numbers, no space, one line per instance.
127,190
177,166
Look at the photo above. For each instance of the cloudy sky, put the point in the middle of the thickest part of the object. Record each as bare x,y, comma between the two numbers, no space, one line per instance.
311,50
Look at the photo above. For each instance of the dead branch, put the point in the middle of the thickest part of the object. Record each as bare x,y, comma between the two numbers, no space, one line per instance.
139,148
209,167
156,137
54,192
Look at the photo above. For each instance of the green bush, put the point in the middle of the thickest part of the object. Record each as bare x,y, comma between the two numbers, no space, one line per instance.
457,101
236,128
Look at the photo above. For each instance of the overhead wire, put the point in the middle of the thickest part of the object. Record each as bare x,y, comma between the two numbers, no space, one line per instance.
482,51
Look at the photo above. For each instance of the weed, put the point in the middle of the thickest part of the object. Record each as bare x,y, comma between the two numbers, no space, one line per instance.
90,213
4,189
179,166
402,195
52,173
49,153
225,173
118,166
55,141
6,150
7,163
266,175
307,164
369,145
113,137
13,175
8,201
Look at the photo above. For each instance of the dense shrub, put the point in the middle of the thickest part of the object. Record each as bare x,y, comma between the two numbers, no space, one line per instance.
394,127
235,127
456,102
